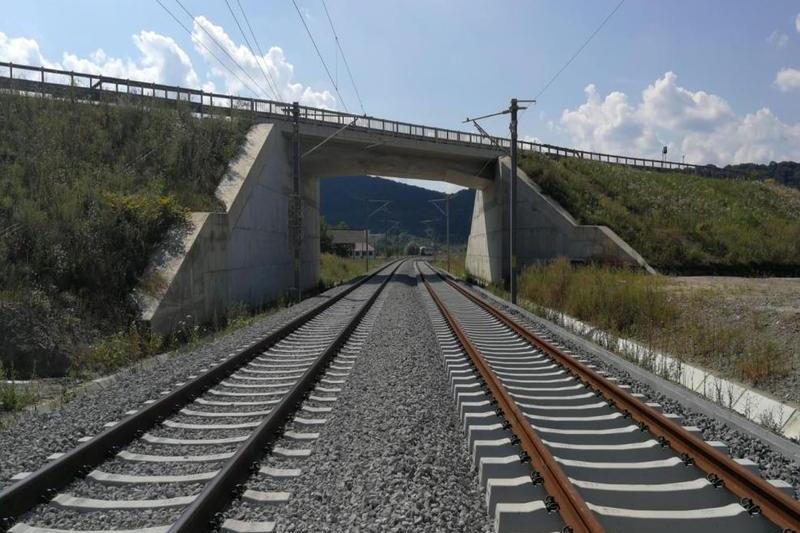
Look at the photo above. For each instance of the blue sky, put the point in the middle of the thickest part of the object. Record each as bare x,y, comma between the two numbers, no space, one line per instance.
717,81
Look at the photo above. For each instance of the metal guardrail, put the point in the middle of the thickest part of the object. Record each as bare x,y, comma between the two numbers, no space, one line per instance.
44,81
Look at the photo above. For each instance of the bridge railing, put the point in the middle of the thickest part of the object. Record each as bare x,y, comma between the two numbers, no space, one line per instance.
43,81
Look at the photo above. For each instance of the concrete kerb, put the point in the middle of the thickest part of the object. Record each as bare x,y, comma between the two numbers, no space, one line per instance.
684,396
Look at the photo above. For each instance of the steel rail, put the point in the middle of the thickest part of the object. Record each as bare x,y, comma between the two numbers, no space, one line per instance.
755,493
571,506
217,493
41,485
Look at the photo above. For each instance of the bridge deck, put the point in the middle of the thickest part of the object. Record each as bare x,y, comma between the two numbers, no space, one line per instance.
90,87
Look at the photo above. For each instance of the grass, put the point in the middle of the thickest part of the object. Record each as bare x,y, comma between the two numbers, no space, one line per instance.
86,193
457,263
630,304
681,222
14,396
334,269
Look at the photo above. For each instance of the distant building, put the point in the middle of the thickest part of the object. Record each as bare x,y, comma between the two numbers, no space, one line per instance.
351,242
359,250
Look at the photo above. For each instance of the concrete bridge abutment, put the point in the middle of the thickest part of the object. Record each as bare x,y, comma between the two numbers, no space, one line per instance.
545,231
242,255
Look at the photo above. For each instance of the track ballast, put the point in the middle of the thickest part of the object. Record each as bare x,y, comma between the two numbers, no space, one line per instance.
179,473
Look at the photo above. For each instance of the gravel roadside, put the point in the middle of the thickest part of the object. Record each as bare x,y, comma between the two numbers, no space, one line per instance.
32,437
392,455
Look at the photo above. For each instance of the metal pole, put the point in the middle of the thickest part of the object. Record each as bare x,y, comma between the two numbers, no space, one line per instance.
512,226
296,221
447,216
366,236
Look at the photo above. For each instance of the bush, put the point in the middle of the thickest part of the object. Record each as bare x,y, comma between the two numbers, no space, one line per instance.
116,350
87,191
335,269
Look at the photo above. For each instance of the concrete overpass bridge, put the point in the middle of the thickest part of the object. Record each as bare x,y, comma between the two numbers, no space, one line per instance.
245,254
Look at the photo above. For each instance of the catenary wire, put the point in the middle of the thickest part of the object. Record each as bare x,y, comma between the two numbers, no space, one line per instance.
225,50
182,25
344,57
585,43
249,47
324,64
260,52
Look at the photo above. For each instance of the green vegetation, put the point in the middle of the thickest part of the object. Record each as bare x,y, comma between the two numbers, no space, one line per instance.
14,396
334,269
643,307
786,172
86,193
457,263
681,222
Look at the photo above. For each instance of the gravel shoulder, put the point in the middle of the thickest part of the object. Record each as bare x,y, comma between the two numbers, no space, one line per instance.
32,436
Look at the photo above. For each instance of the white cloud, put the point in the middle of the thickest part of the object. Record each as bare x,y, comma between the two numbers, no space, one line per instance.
788,79
279,71
695,123
797,23
162,60
608,124
439,186
778,39
21,50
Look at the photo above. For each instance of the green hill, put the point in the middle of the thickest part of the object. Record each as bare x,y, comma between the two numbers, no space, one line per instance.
681,223
342,200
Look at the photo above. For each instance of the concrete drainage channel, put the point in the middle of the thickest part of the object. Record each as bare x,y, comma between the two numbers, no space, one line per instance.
178,475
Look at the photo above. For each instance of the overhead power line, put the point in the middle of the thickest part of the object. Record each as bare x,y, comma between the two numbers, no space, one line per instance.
249,47
261,54
585,43
182,25
225,50
324,64
344,57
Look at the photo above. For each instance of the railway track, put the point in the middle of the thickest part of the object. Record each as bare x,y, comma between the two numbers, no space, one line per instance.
560,447
177,462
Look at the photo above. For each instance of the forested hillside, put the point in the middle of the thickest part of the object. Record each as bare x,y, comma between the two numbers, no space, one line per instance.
786,172
343,199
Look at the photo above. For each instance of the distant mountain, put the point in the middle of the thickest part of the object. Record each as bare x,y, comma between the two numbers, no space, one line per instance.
343,200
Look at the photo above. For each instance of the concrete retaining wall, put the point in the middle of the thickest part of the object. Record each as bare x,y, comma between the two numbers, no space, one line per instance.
545,231
241,255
